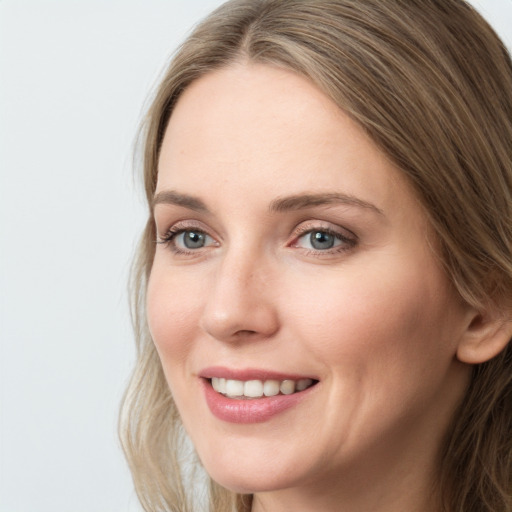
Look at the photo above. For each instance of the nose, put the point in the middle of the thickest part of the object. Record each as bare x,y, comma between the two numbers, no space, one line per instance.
239,303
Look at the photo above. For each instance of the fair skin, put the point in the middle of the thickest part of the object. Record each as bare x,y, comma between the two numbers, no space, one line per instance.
290,244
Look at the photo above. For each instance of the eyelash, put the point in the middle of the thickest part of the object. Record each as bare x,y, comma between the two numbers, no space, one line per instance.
347,242
169,238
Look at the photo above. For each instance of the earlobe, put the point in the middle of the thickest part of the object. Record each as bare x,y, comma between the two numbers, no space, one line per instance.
486,336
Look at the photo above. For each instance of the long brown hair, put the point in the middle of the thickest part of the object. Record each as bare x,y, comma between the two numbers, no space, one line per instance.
431,84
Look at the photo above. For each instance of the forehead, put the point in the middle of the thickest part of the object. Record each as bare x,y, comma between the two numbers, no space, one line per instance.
249,127
249,108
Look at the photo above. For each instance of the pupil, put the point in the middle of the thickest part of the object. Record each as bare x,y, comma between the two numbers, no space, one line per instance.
321,240
193,240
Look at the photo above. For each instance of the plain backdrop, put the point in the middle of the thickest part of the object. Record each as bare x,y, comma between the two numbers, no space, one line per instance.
74,76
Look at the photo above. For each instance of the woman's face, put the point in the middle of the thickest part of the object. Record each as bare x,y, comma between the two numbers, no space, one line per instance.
292,250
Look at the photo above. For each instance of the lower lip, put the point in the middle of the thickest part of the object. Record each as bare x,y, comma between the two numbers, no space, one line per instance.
254,410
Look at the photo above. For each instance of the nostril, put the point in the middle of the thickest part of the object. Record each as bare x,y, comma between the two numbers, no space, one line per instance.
245,332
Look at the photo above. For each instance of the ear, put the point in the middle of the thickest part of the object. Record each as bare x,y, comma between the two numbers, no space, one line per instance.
487,334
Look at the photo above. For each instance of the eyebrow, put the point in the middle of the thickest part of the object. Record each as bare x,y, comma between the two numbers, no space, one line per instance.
303,201
178,199
288,203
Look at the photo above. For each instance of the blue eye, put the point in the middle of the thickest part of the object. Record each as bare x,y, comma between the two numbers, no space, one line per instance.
191,239
324,240
320,240
187,240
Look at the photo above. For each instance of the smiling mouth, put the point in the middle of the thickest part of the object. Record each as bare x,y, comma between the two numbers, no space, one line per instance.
252,389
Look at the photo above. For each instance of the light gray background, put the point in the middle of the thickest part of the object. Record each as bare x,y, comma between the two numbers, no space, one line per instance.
74,75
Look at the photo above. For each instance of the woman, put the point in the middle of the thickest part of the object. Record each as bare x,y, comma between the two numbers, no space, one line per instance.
326,309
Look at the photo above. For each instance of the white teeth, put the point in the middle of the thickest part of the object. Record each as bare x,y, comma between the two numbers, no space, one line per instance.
253,388
257,388
219,384
234,388
271,387
287,387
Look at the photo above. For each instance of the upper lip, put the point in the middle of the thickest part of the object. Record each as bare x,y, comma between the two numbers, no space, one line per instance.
250,374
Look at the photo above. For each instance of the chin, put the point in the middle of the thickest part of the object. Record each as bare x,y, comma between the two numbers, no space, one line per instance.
247,484
251,478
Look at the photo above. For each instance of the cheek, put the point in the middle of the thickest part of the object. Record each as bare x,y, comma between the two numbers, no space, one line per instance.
387,345
394,320
172,312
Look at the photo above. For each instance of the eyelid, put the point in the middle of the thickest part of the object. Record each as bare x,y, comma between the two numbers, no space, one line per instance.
181,225
174,230
348,238
319,225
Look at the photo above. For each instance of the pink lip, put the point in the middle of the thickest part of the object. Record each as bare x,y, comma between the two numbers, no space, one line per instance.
254,410
249,374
